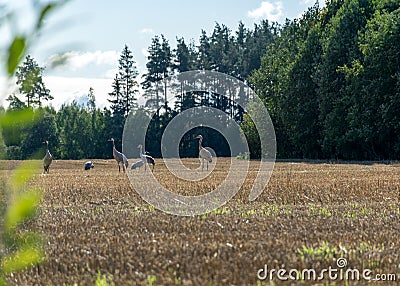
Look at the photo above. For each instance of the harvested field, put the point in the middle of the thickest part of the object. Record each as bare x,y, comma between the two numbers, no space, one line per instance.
310,215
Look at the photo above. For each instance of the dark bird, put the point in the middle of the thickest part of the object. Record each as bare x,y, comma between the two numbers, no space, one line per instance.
89,165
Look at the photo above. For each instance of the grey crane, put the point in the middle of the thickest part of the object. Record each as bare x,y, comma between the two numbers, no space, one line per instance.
146,158
119,157
204,154
89,165
48,158
137,164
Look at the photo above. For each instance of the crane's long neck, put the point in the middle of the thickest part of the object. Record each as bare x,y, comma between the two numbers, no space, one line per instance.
115,152
47,146
200,140
142,156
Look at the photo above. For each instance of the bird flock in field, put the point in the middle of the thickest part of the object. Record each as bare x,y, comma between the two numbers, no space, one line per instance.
122,161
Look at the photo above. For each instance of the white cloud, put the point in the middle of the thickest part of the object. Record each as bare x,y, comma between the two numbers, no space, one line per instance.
75,60
69,76
66,89
147,31
307,2
273,11
7,85
63,89
111,73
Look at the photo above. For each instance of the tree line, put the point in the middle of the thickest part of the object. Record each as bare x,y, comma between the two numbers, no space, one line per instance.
81,131
329,79
331,82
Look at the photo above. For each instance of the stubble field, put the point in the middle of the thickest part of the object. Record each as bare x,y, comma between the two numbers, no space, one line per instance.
310,215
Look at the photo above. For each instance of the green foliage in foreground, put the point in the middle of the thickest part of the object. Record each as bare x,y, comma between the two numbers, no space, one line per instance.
20,248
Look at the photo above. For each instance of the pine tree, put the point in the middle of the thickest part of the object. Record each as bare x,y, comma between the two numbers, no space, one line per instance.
203,52
185,59
29,79
153,75
159,66
91,103
237,53
219,47
15,103
184,56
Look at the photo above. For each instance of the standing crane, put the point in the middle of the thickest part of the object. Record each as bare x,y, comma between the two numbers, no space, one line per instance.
119,157
48,158
146,158
204,154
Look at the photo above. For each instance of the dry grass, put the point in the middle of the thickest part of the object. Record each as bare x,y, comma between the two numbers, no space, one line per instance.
310,215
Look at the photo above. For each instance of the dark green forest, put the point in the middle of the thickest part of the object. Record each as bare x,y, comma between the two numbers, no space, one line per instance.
330,80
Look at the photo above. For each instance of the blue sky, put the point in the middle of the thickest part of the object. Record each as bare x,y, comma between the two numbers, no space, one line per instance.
93,33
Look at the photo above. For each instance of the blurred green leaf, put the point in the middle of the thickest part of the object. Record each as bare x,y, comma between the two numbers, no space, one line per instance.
25,171
22,239
45,10
15,54
29,239
43,13
22,247
22,259
3,282
10,118
22,209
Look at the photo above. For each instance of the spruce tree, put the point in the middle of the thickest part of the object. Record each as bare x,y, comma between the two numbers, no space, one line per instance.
127,80
159,66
